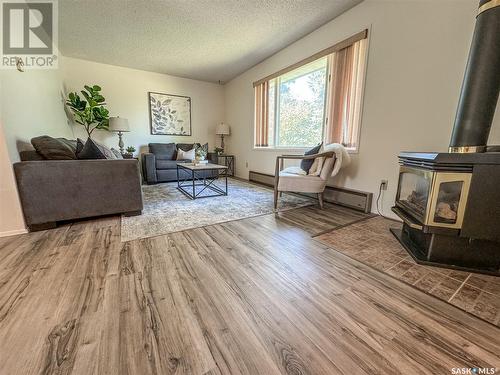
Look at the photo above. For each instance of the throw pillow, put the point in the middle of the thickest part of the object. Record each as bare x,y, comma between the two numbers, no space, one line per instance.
71,143
307,163
187,146
203,149
117,153
106,151
53,148
79,146
317,166
186,155
94,150
294,170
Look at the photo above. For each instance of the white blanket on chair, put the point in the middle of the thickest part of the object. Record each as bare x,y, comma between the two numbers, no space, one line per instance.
343,158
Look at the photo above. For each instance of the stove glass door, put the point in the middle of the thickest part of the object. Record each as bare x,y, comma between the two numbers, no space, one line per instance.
413,193
449,198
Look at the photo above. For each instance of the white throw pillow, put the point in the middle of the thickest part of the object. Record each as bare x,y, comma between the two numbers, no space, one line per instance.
294,170
186,155
316,167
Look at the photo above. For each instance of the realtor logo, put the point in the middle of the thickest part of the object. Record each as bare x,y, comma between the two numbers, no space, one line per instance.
29,34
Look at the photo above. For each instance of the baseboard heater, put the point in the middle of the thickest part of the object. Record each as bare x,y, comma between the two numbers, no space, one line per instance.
358,200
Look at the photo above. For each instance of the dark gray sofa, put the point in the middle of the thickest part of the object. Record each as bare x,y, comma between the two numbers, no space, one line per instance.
160,164
57,190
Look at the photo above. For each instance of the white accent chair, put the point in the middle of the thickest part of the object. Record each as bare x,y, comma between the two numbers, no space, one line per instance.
288,182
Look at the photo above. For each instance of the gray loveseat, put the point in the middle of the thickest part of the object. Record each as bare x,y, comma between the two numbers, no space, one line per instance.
58,190
160,164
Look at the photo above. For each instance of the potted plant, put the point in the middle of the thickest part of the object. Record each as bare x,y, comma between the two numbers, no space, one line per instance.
90,112
130,152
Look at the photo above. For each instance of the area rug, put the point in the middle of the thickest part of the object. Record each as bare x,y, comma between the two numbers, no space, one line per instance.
167,210
370,242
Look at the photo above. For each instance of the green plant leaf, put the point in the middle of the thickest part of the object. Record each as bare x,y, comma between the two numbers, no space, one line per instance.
86,95
91,112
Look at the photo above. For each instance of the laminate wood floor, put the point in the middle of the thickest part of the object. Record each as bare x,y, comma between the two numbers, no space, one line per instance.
254,296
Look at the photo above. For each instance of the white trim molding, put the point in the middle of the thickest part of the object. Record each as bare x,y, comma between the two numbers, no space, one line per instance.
13,232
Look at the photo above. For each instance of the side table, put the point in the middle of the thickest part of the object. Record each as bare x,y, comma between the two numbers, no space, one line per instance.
226,160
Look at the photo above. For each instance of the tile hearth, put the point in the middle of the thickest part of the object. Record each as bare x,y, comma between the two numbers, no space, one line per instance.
370,242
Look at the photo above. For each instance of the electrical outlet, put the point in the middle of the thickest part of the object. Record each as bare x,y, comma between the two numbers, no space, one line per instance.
384,184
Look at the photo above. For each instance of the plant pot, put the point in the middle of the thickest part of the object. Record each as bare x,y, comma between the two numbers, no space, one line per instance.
128,155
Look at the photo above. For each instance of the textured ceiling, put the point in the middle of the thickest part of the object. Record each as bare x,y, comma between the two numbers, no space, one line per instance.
209,40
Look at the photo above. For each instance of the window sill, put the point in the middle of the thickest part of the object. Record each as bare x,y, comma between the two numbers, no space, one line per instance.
282,149
297,149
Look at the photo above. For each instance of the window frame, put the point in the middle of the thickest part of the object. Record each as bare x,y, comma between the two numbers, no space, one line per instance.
276,76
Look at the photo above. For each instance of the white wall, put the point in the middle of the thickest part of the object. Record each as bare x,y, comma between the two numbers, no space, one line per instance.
126,92
417,56
31,105
11,218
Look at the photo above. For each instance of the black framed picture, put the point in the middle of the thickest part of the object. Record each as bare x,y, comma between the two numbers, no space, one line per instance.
169,114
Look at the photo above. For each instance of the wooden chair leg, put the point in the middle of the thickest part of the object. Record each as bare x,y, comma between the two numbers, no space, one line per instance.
276,198
280,194
320,199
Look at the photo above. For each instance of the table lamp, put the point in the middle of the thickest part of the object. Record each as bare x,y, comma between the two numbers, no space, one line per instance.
222,130
120,125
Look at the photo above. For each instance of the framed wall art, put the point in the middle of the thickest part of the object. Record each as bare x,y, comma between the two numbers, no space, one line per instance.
169,114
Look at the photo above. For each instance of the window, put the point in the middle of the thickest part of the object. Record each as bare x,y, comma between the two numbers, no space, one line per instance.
297,106
316,100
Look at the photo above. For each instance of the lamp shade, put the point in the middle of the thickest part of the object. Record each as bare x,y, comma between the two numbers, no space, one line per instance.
118,124
222,129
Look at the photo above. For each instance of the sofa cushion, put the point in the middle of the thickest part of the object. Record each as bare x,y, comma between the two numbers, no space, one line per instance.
307,164
166,164
94,150
300,184
169,164
54,148
164,151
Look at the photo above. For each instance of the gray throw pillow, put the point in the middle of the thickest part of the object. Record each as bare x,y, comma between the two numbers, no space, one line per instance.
54,148
306,164
79,146
71,143
117,153
94,150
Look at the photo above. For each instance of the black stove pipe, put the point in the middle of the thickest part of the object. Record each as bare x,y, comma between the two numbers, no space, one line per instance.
480,88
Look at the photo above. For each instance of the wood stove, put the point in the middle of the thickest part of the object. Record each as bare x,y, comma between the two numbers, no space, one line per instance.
450,202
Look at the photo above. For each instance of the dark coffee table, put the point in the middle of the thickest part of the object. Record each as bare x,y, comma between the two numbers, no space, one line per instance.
193,180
